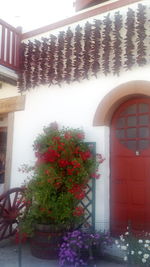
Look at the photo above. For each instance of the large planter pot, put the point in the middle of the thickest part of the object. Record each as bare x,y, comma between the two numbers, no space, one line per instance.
46,241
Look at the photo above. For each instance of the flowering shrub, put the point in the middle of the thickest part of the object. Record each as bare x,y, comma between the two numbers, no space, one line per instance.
136,249
76,243
64,165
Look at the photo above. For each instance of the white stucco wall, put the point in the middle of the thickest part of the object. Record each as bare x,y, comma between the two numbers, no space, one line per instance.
71,105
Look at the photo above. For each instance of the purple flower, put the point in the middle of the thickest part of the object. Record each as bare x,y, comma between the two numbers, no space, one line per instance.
70,253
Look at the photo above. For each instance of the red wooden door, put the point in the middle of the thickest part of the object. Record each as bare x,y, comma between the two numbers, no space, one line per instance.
130,166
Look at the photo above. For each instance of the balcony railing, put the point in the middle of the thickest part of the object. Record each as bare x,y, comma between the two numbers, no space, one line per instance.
9,45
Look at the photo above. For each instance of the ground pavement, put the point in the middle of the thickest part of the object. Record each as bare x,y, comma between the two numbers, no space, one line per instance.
9,257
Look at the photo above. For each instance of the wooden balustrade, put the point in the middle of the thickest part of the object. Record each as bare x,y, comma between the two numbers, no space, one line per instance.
9,45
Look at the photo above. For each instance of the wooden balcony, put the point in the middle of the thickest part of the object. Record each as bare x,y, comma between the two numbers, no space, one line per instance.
9,45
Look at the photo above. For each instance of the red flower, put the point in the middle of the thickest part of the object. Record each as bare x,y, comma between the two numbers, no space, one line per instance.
38,155
63,163
47,172
77,150
26,202
79,211
70,171
75,164
56,138
95,175
20,237
85,155
81,136
60,148
51,156
68,136
57,185
80,196
77,191
100,159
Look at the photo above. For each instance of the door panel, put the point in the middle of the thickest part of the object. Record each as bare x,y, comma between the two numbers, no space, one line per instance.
130,166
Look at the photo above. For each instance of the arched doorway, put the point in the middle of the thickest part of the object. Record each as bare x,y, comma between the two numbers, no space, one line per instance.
130,166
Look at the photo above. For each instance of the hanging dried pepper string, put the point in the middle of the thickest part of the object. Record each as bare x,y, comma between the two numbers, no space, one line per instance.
87,50
60,58
78,54
96,46
74,55
22,79
35,63
129,43
52,58
44,62
141,35
106,42
68,55
117,44
29,65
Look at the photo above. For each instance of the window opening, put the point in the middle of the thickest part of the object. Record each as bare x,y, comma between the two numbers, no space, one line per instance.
133,127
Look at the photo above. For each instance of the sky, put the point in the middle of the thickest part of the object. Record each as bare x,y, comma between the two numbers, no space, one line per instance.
32,14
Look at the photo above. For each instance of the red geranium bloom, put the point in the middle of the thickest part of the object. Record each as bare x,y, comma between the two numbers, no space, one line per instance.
80,195
38,155
57,185
85,155
51,155
80,135
79,211
77,150
75,164
39,161
100,159
95,175
47,172
77,191
20,237
63,163
56,138
60,148
70,171
68,136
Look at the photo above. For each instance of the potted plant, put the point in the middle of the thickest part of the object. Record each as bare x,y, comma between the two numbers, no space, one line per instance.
82,248
64,164
135,247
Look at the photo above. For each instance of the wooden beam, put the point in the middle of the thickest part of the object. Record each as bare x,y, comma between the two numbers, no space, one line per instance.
12,104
